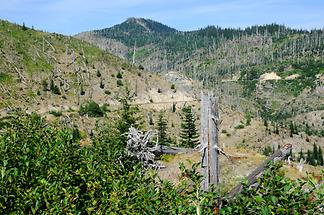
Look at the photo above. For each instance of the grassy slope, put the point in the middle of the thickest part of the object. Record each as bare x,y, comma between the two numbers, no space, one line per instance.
28,58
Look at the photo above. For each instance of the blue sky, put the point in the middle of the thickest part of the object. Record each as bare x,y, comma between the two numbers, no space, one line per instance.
73,16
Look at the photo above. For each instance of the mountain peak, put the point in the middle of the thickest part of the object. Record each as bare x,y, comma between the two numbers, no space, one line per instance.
149,26
134,19
141,22
143,31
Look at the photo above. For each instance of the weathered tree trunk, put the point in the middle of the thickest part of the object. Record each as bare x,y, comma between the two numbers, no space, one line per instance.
209,140
204,140
213,140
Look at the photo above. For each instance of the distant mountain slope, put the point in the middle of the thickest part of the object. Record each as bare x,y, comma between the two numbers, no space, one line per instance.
225,51
238,63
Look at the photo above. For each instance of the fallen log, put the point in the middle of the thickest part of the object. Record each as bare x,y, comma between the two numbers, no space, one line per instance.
279,155
171,150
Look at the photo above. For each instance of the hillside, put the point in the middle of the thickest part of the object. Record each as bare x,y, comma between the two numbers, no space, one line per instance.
33,63
224,51
221,56
271,72
52,73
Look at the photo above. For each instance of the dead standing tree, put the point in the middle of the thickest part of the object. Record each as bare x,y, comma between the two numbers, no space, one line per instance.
209,140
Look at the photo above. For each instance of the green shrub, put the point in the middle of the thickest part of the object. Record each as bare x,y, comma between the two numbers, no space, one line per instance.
92,109
104,107
242,145
45,84
98,74
5,77
54,88
141,67
102,85
119,75
248,117
268,150
166,157
56,113
239,126
119,83
82,92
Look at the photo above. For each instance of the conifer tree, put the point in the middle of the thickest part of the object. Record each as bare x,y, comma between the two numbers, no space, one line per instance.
24,27
54,88
291,154
267,151
315,153
162,129
188,135
291,127
320,156
301,155
295,129
309,157
276,129
308,130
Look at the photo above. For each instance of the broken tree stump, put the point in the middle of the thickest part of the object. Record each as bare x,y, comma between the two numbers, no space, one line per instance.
138,146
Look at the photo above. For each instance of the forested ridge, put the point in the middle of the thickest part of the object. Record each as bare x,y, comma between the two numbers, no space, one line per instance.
212,51
272,70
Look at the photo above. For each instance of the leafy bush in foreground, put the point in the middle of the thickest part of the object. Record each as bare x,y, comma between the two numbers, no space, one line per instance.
44,170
